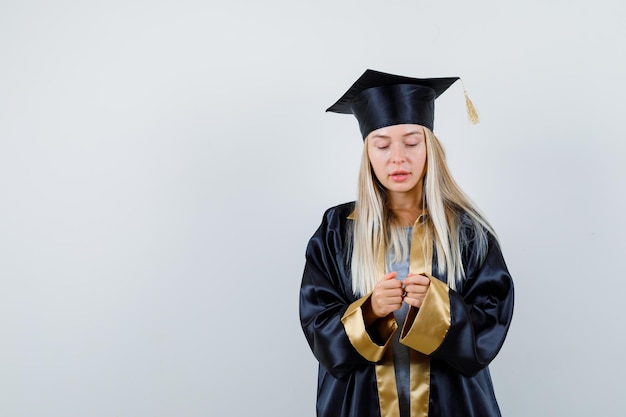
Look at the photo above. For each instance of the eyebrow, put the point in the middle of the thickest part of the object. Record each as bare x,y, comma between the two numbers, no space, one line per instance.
411,133
379,136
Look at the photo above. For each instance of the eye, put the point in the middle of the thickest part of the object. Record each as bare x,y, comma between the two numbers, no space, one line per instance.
413,140
381,144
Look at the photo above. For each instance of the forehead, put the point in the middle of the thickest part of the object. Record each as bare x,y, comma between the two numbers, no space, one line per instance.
397,131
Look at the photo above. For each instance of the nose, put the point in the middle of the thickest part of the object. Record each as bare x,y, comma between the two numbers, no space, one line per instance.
398,154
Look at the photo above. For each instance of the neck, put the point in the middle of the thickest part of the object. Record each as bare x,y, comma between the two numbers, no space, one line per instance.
407,217
406,208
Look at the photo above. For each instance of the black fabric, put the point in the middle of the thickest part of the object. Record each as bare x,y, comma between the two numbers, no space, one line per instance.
378,99
461,385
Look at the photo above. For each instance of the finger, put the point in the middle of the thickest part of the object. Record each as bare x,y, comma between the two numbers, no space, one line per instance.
417,279
410,279
394,301
415,302
423,279
390,275
388,283
416,289
416,295
385,296
391,293
388,305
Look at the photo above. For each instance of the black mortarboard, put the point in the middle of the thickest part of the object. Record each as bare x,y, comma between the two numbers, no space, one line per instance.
378,99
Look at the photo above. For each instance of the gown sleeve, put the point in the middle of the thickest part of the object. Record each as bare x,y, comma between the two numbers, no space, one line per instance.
331,317
466,329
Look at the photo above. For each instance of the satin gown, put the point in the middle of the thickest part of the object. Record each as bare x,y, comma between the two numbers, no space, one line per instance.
452,338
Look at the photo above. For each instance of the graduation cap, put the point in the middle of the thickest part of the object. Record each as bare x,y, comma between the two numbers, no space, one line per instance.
378,99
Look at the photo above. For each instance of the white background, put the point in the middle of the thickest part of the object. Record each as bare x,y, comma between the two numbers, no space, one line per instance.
163,164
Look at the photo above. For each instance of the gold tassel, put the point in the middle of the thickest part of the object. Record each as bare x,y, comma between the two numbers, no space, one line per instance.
472,114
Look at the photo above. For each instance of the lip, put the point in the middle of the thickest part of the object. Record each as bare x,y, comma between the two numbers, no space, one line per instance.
399,176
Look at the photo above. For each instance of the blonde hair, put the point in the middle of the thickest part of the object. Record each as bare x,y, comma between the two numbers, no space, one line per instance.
375,228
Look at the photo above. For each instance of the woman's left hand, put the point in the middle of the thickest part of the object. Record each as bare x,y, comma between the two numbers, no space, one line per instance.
415,287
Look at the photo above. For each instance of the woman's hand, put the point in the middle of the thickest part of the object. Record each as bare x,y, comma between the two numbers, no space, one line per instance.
415,287
387,295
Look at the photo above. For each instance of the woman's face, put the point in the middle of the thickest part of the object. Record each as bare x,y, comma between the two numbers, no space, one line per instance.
398,157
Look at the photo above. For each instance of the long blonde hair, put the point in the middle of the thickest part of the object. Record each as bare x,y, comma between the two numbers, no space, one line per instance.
375,228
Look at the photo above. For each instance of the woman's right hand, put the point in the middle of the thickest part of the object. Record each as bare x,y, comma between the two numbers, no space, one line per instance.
387,295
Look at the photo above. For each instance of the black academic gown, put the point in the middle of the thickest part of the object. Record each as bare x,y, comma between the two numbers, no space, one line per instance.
453,336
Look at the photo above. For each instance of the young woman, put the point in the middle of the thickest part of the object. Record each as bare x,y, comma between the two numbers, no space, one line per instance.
405,297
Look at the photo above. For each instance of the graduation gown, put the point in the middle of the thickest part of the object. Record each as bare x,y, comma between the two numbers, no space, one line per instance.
452,338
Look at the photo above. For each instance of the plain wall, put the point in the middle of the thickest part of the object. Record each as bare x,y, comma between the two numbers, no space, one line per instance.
163,165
